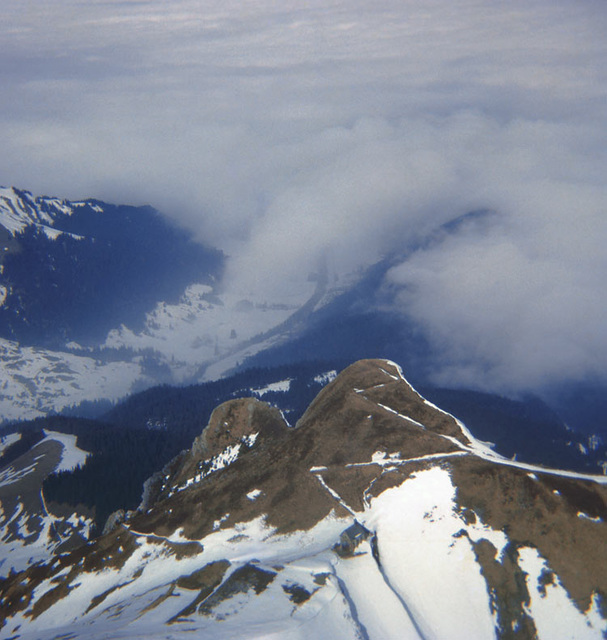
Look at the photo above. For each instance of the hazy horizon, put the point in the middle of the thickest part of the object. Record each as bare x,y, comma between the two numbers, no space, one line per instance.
277,132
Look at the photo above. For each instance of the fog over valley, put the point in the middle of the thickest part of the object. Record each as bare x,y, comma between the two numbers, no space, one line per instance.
288,133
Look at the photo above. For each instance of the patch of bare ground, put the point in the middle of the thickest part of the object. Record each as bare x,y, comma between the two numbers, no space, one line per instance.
508,591
531,512
99,599
352,482
205,580
241,580
379,383
183,549
297,593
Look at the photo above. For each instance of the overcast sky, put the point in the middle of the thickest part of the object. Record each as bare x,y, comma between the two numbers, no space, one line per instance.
279,130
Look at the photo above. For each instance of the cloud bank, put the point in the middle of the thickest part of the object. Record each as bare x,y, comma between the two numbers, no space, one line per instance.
280,131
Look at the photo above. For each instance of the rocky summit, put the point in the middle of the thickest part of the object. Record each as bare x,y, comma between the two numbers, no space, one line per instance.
377,516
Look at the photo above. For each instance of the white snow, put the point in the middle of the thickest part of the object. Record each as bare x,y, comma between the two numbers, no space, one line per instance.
281,387
15,553
16,213
254,494
378,607
423,558
250,439
7,440
72,456
325,378
34,381
216,330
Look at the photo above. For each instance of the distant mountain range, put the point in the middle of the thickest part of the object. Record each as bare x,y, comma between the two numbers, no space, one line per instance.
377,515
98,301
72,271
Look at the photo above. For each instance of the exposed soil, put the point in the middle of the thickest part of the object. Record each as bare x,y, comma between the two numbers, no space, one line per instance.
507,591
532,514
243,579
205,580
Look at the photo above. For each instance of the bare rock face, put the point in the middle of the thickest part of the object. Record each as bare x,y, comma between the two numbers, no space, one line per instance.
244,535
235,427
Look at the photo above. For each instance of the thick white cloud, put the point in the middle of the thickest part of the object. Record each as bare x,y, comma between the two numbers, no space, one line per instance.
282,130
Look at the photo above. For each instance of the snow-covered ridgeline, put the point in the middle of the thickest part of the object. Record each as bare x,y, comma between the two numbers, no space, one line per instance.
20,209
479,448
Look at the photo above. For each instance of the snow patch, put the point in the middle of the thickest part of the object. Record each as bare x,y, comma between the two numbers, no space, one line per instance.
72,456
325,378
8,440
584,516
274,387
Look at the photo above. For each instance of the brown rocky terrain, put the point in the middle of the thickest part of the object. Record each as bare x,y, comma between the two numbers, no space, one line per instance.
367,432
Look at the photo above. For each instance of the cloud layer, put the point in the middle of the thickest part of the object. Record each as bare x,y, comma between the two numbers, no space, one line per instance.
279,131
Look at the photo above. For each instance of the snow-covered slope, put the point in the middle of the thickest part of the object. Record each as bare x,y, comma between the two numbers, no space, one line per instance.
35,381
205,334
377,516
29,529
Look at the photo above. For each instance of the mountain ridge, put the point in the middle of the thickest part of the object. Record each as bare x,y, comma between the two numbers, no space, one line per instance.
250,547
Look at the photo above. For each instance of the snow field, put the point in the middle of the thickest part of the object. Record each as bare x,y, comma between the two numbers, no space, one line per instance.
200,329
378,607
33,381
423,558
